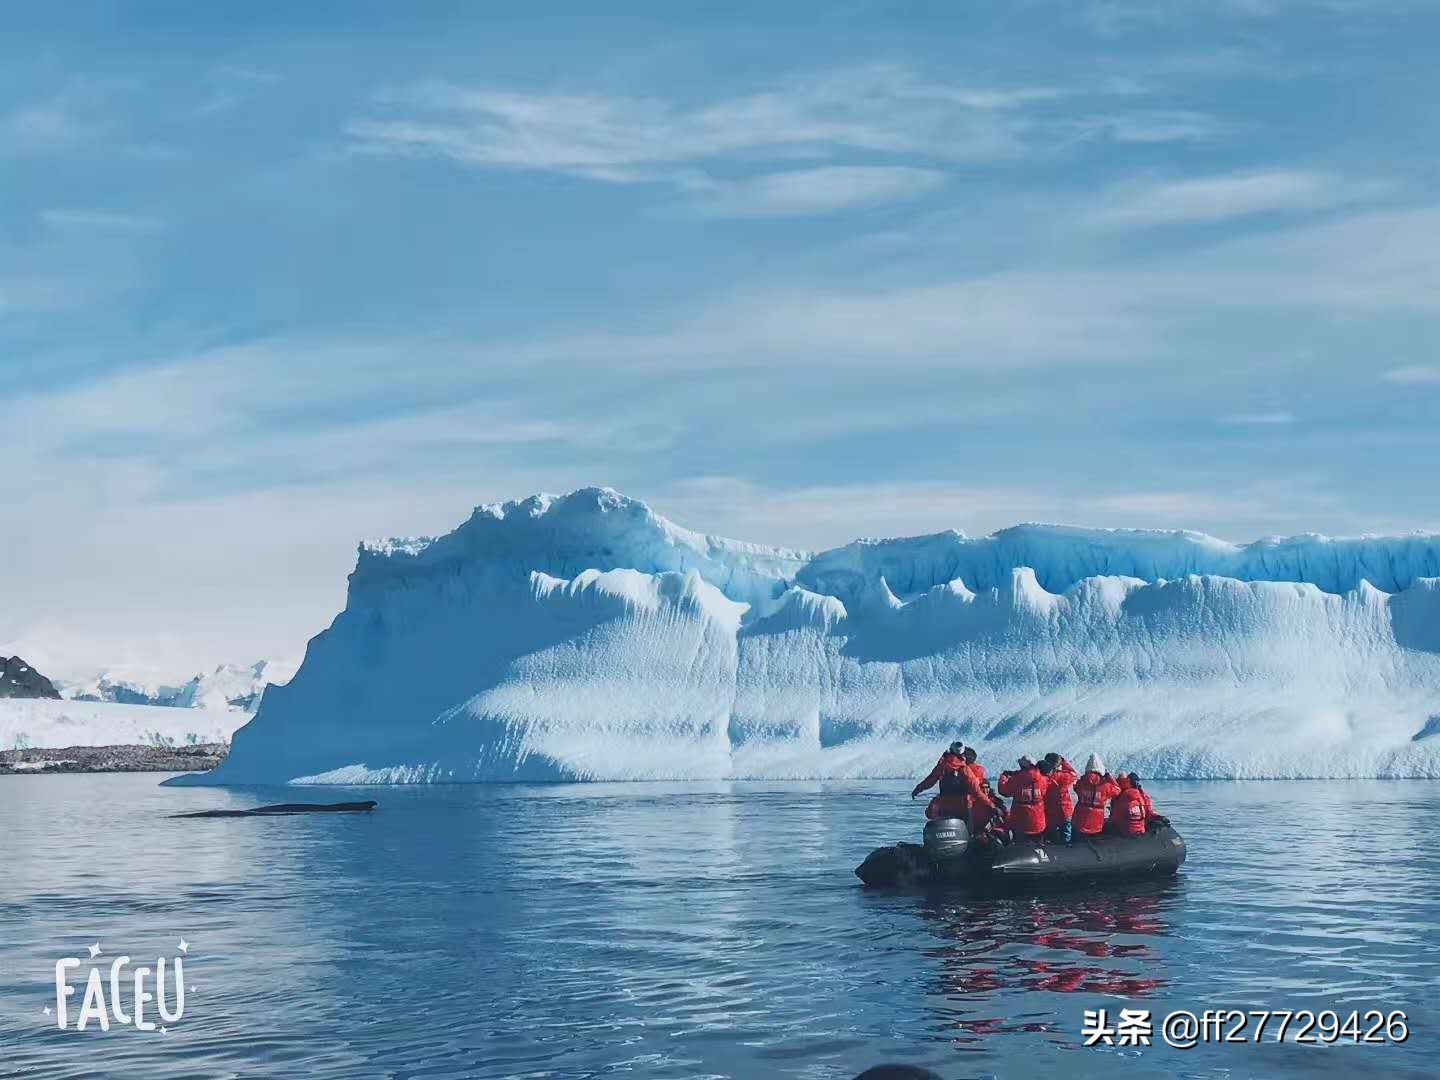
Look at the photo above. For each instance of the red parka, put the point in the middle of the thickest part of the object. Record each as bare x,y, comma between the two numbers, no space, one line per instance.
1129,812
982,808
948,763
960,794
1028,789
1059,802
1092,792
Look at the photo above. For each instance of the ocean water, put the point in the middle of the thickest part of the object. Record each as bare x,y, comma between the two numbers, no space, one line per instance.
697,930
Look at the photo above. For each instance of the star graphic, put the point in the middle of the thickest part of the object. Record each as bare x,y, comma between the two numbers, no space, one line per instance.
164,1030
94,950
184,945
47,1010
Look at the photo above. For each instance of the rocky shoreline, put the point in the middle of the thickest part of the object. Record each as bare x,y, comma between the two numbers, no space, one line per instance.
98,759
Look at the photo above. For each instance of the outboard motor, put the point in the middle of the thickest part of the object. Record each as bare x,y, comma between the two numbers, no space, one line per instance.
946,839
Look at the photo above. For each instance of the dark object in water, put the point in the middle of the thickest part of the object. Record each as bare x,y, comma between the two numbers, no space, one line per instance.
948,858
288,808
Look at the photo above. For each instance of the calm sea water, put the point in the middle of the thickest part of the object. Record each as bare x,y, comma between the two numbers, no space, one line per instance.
694,930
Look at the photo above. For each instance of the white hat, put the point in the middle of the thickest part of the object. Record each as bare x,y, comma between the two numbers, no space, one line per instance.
1095,764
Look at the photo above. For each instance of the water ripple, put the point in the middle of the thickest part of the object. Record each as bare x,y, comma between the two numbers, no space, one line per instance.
693,931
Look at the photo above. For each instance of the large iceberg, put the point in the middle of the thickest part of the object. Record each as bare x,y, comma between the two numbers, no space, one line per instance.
584,637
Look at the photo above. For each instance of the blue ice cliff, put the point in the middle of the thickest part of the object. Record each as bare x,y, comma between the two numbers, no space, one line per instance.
585,637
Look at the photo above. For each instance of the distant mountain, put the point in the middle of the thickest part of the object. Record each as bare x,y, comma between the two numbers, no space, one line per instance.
19,680
230,686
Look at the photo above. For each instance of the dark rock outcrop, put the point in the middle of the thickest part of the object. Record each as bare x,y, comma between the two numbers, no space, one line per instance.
90,759
19,680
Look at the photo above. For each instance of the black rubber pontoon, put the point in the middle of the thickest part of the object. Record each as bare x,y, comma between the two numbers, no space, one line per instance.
949,858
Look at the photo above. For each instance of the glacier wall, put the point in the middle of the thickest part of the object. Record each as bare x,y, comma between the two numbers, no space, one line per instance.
585,637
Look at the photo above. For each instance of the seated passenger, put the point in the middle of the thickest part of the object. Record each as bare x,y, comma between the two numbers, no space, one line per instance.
1027,806
1092,791
983,803
1150,814
1058,761
1130,811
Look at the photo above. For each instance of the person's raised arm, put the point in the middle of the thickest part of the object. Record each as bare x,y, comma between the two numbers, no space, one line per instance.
931,780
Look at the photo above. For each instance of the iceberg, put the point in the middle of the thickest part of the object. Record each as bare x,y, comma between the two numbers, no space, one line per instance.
585,637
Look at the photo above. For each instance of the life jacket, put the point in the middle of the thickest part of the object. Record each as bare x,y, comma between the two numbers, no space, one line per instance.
1027,808
1059,802
1129,812
960,794
954,776
1092,792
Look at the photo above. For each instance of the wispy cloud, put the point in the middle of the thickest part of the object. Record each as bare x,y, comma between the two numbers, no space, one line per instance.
911,124
71,116
36,128
245,74
869,110
36,294
239,417
1261,419
1150,126
1118,16
1415,374
100,219
823,190
233,84
1208,199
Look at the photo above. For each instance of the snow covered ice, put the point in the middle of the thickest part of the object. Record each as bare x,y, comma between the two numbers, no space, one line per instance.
27,723
229,686
585,637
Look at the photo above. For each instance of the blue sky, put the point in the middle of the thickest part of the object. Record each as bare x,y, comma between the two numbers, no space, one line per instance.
275,280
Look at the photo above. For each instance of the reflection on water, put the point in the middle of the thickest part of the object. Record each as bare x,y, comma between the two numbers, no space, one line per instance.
694,930
1063,945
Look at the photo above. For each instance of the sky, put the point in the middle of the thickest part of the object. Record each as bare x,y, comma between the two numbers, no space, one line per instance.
278,278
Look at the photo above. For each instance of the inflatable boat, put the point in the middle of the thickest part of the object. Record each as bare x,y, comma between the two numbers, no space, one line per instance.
947,857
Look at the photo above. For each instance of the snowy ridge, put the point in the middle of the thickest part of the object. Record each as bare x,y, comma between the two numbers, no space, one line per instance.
33,722
585,637
229,686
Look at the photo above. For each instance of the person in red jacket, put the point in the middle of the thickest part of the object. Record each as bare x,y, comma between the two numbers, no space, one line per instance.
957,785
987,813
951,760
1059,802
1027,789
1092,791
975,766
1131,809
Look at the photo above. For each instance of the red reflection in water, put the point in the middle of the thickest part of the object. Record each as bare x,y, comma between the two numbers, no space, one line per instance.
1058,944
